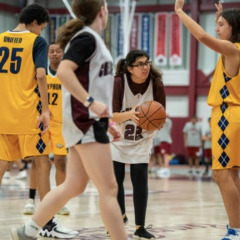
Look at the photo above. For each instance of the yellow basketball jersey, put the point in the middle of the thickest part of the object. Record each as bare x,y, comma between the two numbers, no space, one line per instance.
224,88
54,97
19,95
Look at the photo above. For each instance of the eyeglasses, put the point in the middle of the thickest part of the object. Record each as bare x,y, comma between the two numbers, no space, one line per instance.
142,64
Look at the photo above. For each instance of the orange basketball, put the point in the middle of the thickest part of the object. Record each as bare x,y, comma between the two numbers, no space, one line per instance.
152,115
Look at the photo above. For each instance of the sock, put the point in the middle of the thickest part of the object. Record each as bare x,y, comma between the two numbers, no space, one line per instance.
31,228
49,222
32,193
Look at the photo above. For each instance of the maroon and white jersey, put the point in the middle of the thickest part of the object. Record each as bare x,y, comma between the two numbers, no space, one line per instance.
136,144
96,76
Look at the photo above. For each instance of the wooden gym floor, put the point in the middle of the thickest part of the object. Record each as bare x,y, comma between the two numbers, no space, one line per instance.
181,207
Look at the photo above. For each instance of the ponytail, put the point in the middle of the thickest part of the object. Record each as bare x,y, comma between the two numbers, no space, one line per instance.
68,30
121,67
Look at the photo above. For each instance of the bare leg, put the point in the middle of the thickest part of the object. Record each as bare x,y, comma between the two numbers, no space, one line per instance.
166,160
228,183
43,166
60,164
74,184
99,167
32,178
3,169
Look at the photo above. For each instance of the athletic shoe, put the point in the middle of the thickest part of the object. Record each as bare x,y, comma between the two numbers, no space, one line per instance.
64,211
142,233
19,234
163,173
22,174
6,175
56,230
29,208
232,234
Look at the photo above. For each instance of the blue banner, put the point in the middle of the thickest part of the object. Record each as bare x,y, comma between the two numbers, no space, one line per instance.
146,33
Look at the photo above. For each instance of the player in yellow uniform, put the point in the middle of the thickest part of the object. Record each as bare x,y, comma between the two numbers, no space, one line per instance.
225,99
55,54
24,116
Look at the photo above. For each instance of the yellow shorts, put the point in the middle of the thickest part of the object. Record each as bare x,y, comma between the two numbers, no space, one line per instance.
225,128
15,147
56,139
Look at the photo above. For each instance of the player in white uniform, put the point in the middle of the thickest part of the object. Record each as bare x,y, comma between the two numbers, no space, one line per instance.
87,77
136,81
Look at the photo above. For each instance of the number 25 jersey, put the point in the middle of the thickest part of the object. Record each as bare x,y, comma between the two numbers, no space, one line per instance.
19,95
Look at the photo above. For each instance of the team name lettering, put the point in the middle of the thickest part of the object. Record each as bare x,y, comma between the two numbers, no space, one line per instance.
106,69
54,86
12,39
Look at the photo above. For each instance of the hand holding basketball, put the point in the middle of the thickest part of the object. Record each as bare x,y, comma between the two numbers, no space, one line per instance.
152,115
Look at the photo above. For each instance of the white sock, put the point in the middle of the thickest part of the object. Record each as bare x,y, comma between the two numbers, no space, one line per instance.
31,228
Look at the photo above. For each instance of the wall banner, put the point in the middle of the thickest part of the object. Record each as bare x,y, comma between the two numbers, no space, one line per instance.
146,33
134,35
160,55
176,41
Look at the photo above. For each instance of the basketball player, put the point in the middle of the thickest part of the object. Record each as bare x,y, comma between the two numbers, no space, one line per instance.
224,98
162,150
55,54
192,135
87,76
25,119
136,82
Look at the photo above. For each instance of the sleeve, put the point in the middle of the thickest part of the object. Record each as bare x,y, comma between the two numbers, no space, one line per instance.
40,56
159,94
185,128
81,49
118,92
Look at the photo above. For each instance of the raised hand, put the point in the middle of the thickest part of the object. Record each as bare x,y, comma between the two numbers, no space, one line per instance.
179,5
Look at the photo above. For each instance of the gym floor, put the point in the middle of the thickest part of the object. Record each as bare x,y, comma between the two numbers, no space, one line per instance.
181,207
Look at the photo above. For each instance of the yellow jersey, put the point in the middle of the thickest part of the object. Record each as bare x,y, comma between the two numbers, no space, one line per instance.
222,89
54,96
19,95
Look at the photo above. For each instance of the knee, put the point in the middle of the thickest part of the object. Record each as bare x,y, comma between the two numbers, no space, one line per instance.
110,189
219,176
74,190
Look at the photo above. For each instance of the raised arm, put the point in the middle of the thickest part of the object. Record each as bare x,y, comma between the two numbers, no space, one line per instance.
223,47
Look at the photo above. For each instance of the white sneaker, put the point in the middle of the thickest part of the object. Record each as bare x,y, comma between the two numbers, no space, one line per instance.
56,230
6,175
22,174
29,208
163,173
64,211
232,234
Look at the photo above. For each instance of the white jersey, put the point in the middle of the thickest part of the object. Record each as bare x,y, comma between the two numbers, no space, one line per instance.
136,144
100,82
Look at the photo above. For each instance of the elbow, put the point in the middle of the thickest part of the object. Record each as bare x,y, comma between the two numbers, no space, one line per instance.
202,37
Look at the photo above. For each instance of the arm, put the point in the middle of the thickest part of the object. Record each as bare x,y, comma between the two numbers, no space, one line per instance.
44,118
219,8
124,116
223,47
66,74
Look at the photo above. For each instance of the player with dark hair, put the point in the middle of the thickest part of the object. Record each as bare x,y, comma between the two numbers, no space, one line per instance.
136,82
224,98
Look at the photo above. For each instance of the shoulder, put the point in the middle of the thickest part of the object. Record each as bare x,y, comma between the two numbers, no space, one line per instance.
84,38
40,42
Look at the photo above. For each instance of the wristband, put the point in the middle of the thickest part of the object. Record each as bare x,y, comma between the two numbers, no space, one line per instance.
111,124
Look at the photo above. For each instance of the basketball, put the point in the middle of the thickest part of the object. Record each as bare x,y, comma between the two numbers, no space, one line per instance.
152,115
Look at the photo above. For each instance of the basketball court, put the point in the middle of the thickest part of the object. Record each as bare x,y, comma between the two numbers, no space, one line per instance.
182,207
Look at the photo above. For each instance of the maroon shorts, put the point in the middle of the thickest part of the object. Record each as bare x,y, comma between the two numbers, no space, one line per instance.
207,153
164,148
192,152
